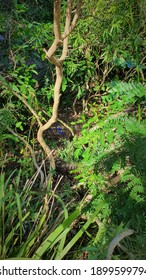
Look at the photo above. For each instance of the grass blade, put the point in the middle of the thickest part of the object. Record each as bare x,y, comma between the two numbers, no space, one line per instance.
62,242
25,250
46,245
79,234
19,214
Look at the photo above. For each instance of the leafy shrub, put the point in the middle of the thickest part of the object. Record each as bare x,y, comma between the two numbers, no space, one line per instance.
110,160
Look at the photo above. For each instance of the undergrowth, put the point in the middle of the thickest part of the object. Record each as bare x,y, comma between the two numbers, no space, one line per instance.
110,159
76,214
36,224
109,175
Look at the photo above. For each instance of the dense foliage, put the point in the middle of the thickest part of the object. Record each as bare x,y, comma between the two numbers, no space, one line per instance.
98,189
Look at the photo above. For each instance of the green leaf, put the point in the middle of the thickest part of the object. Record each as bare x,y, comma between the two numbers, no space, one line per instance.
19,125
102,139
110,137
64,84
80,92
23,88
15,88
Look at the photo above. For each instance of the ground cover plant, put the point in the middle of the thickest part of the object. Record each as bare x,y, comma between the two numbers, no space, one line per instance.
72,130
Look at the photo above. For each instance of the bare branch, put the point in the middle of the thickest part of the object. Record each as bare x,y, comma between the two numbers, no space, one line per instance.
58,41
47,150
57,15
68,15
74,21
76,16
52,58
43,144
66,30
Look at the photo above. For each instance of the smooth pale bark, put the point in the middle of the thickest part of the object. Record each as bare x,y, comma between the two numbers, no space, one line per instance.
59,40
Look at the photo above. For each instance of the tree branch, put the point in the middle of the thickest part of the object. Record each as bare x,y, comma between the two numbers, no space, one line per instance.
58,41
57,15
47,150
66,30
75,19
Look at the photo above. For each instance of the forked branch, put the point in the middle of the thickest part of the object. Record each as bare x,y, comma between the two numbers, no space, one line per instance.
58,63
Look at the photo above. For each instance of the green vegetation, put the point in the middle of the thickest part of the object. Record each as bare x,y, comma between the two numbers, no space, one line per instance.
72,129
